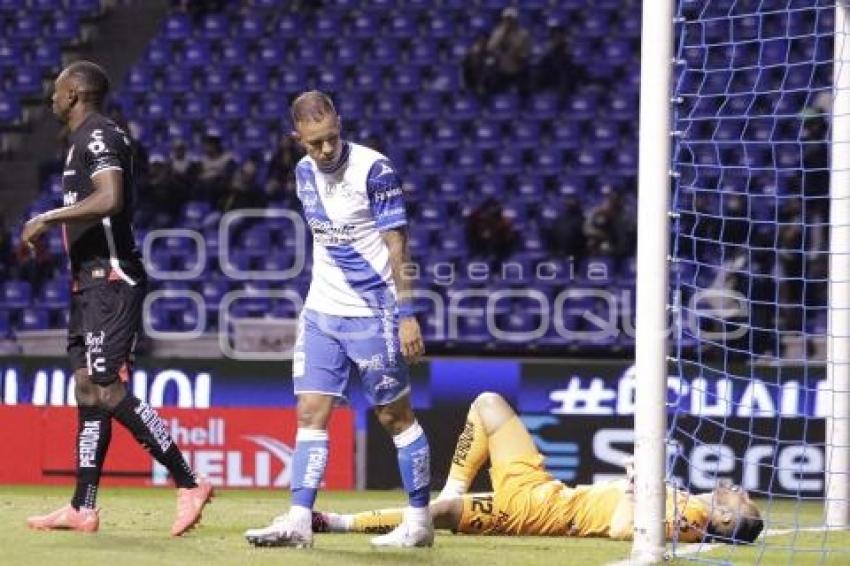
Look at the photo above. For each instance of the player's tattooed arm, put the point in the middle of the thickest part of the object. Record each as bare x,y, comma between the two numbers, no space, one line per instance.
410,336
107,199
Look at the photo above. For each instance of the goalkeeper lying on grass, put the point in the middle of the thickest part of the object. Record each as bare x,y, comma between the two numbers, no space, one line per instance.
526,500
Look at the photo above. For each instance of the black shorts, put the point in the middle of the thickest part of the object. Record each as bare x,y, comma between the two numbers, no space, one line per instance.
102,329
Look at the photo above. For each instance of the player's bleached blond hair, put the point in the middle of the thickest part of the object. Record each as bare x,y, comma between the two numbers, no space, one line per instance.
313,106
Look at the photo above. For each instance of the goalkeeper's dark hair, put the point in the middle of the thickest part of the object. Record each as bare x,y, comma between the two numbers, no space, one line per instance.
746,528
311,106
91,79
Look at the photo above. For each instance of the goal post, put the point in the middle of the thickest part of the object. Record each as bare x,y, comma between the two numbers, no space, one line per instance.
744,204
838,328
652,277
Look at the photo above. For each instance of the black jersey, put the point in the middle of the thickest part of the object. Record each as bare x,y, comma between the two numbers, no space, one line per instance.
104,249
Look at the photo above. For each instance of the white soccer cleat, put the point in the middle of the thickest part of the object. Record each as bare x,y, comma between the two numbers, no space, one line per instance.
281,532
406,535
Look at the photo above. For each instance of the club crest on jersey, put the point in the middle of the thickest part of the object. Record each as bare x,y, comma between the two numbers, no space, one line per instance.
343,188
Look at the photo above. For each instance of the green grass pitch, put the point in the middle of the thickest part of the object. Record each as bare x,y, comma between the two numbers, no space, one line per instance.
135,523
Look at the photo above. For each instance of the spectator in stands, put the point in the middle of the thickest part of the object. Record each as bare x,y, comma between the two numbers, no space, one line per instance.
564,235
556,69
244,189
184,164
489,233
282,167
816,166
610,228
475,66
510,47
165,192
216,166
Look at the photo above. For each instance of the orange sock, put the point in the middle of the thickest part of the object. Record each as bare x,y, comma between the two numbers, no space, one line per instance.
379,521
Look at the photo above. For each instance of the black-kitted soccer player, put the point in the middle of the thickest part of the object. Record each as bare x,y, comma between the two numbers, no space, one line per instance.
106,302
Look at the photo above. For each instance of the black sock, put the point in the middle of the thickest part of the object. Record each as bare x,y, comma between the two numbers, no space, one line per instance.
94,430
150,431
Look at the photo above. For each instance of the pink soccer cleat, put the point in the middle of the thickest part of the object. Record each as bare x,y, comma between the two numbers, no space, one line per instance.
190,504
67,518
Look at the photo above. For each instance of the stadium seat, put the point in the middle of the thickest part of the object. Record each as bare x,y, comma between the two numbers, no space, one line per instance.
56,293
10,109
215,26
26,82
25,27
196,55
47,56
251,26
16,294
34,319
289,25
177,26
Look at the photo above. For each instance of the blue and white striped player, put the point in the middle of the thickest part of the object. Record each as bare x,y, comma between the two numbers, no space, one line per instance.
356,320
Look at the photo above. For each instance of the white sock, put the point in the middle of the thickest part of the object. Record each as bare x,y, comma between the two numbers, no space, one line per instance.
339,523
417,515
300,517
453,488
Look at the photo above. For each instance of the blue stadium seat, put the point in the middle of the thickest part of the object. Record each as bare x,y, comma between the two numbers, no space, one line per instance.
273,106
487,134
47,56
363,25
289,25
451,187
508,161
566,134
196,107
409,135
34,319
16,294
348,53
11,54
327,25
255,135
216,80
56,293
310,54
158,106
139,79
423,52
491,186
27,81
215,26
12,5
426,107
177,80
232,53
368,79
464,106
196,55
503,106
402,25
468,161
292,78
582,106
158,53
10,109
384,52
447,136
544,106
444,78
25,27
605,134
177,26
589,161
440,26
405,79
429,160
251,26
331,78
254,79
